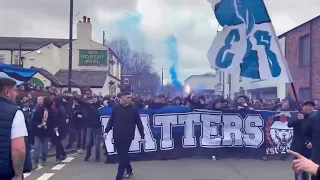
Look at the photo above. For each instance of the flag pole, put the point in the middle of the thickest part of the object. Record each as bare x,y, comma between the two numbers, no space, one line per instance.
282,55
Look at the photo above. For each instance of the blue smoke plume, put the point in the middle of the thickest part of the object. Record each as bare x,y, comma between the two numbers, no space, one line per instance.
172,50
174,77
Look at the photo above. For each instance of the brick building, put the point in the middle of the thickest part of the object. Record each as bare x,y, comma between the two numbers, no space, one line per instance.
302,51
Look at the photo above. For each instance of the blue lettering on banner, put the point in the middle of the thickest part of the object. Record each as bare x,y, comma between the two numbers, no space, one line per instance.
135,147
264,38
250,63
243,22
224,61
186,131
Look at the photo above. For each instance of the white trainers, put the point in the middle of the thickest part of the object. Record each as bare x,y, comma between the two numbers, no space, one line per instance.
80,151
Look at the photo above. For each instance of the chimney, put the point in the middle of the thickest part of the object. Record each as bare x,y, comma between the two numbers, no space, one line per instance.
84,30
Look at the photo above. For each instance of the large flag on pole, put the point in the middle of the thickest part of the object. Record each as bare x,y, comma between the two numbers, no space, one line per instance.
18,74
247,45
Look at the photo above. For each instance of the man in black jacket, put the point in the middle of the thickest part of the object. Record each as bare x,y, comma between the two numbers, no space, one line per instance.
300,142
312,131
123,121
93,136
59,129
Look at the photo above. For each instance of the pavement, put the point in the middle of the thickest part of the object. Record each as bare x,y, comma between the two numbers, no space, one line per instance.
74,168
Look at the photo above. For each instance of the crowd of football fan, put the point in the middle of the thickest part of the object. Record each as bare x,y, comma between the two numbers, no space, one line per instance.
77,120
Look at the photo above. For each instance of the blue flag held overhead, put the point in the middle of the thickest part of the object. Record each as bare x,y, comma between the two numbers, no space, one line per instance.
247,45
18,74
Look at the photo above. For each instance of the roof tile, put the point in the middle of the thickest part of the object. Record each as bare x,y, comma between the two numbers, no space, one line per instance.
83,77
28,43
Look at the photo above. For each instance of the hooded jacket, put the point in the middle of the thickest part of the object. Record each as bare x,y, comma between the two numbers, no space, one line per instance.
61,116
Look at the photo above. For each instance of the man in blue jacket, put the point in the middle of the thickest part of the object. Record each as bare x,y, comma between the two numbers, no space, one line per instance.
13,131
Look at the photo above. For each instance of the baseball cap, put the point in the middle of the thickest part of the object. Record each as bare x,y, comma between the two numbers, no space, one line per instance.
309,102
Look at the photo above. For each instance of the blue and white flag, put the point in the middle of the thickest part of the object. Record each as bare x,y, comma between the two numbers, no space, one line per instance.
247,45
18,74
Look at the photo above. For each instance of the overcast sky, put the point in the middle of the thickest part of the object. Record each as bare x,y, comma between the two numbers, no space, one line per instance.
146,23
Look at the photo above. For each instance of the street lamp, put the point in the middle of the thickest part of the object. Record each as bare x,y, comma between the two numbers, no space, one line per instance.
162,77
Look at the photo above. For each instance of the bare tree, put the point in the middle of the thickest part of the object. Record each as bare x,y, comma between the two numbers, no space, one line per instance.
147,81
140,62
137,63
120,46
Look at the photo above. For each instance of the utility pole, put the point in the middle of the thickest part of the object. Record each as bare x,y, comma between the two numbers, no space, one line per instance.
223,84
70,45
162,79
20,56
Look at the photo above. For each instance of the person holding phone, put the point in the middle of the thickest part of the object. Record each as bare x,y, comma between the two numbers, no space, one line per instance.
312,132
300,142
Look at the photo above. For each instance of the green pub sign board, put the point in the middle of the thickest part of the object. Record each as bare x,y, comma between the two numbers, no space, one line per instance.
93,57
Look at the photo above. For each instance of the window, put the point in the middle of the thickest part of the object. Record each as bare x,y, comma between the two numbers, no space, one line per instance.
229,78
111,70
2,58
240,78
304,50
118,69
304,94
220,77
126,81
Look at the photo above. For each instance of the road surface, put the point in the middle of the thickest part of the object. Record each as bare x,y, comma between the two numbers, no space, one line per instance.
74,168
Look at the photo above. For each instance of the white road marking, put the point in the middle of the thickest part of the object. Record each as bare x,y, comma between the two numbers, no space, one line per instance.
58,167
39,167
74,154
45,176
26,175
68,159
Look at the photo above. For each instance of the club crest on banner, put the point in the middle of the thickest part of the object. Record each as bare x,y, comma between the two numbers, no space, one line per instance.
278,134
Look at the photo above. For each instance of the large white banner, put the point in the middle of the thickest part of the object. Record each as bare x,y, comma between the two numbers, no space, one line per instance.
217,130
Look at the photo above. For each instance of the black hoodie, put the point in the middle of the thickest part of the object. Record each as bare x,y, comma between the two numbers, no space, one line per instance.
197,103
123,121
61,116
